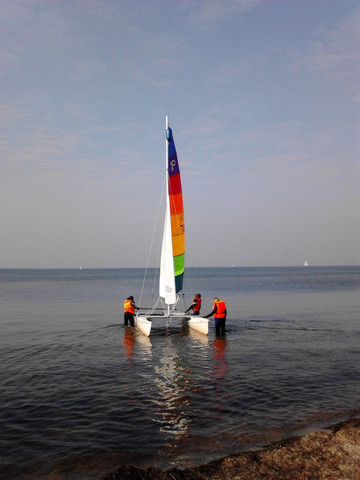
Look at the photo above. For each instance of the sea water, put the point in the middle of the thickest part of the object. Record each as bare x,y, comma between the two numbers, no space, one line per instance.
81,394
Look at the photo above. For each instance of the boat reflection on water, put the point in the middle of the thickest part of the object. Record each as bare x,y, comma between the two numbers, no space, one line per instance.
177,385
171,389
198,339
144,344
173,380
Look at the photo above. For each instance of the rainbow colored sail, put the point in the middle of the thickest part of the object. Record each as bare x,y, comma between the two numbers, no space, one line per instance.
173,242
176,212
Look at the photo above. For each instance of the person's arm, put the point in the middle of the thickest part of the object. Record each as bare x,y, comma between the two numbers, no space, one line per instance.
212,313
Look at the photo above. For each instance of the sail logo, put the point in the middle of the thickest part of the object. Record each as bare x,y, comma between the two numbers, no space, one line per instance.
173,164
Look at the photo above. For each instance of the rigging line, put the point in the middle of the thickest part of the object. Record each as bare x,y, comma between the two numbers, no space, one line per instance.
157,268
152,242
183,297
154,283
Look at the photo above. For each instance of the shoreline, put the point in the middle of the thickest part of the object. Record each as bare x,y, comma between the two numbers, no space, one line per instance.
332,453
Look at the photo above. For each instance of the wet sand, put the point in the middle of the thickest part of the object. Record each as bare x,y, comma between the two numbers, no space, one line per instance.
331,454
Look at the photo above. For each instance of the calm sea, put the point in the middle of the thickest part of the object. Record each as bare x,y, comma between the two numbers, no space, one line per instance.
81,394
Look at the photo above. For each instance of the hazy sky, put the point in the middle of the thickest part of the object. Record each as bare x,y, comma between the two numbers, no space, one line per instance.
263,98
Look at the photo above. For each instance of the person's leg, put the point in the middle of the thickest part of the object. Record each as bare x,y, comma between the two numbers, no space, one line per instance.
223,320
217,325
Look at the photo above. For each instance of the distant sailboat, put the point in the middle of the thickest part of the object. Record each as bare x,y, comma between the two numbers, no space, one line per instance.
306,263
172,253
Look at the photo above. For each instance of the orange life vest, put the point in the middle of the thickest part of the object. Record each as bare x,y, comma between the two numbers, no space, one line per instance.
220,312
128,307
197,305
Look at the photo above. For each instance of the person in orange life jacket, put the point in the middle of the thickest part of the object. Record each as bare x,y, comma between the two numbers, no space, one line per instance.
219,312
129,310
196,305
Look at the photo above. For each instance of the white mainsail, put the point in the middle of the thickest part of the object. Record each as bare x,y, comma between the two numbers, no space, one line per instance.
167,288
167,276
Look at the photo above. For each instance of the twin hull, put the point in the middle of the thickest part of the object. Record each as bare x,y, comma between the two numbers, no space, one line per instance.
144,323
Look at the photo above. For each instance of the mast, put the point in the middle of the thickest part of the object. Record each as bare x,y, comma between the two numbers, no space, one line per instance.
167,180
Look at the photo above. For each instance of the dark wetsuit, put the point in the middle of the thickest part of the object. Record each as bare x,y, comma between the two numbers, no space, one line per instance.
193,305
219,322
129,317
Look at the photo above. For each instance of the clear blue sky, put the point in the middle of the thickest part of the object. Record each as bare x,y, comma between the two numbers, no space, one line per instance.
263,98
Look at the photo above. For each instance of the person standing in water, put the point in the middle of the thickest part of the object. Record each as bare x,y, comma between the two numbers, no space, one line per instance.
219,312
129,311
196,305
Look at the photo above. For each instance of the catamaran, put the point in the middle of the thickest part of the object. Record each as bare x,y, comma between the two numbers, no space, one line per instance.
172,260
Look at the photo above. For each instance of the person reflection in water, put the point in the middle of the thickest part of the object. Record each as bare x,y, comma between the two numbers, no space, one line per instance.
129,342
129,311
196,305
219,312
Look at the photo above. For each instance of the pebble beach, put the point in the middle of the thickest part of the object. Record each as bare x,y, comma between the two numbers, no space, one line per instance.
332,454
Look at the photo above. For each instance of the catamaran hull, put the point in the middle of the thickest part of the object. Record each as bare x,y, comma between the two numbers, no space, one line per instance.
143,324
199,324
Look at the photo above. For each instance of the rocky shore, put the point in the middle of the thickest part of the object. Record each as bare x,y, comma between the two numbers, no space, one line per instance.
331,454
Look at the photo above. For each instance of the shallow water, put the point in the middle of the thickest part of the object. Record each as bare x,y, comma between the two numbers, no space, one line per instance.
81,394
